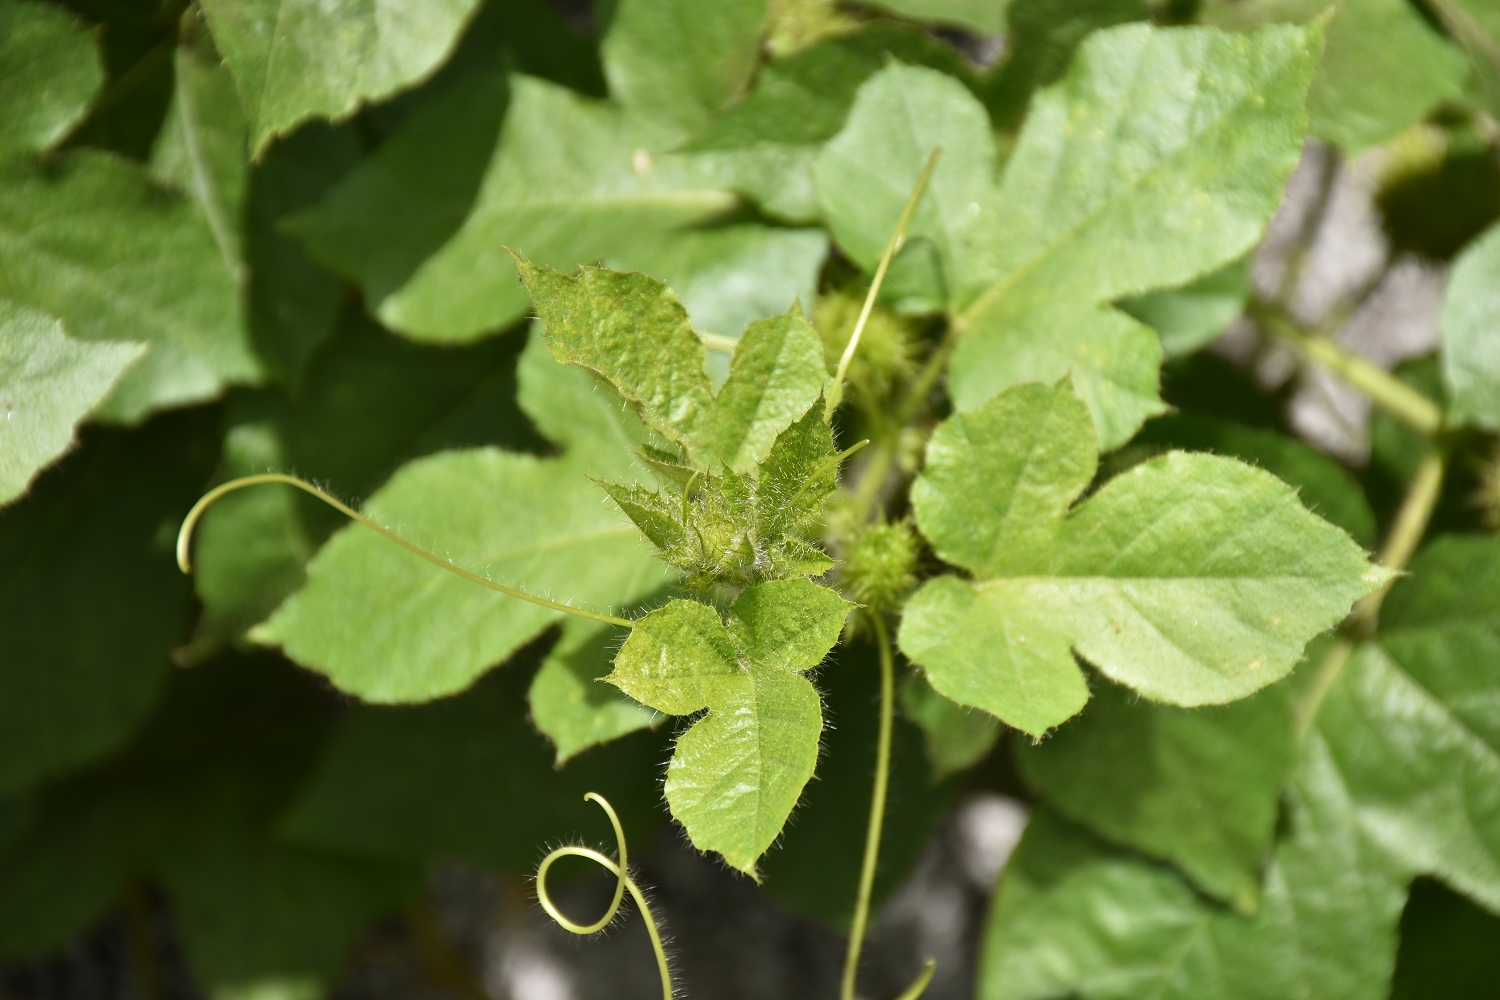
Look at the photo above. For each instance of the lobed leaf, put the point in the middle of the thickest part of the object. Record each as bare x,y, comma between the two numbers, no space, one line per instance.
1192,134
738,771
1192,579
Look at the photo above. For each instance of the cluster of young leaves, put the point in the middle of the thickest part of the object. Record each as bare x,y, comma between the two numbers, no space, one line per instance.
184,196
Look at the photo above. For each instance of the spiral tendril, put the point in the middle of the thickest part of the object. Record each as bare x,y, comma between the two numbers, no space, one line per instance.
624,883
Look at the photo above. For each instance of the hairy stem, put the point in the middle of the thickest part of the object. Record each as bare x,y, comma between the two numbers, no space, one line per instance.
1385,390
1400,544
898,236
624,883
185,537
877,807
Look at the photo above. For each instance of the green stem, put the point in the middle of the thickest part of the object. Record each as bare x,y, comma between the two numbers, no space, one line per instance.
185,538
877,807
836,393
1385,390
1400,544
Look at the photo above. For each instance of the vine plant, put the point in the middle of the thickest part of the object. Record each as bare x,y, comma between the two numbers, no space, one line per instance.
941,438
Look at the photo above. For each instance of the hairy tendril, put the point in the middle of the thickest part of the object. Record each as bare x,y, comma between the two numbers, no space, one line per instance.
623,883
185,537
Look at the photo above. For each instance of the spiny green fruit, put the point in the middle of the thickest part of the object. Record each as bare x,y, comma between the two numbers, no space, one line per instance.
887,348
880,566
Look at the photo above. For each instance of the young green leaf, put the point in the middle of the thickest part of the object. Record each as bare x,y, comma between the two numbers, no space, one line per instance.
93,604
299,59
737,773
569,705
984,16
49,72
1192,579
956,736
631,330
387,626
1471,310
94,242
48,383
1197,787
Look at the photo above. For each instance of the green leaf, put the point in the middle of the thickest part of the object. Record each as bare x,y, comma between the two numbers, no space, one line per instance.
368,402
866,173
1442,625
765,145
1398,776
1204,164
1191,579
390,627
631,330
91,602
569,705
1189,317
1197,787
1039,45
812,870
956,736
1384,70
1323,485
737,772
92,241
297,59
984,16
48,383
49,73
1030,266
679,60
1471,309
466,778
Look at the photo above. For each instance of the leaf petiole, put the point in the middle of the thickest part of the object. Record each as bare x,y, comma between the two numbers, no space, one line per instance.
185,536
898,237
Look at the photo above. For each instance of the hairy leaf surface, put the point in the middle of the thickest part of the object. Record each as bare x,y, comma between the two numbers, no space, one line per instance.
48,383
737,773
1192,579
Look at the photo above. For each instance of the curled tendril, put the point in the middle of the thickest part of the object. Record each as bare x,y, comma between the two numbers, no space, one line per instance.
623,884
185,538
